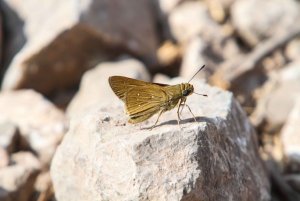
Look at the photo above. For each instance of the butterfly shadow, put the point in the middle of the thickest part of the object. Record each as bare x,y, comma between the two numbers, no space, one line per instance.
183,121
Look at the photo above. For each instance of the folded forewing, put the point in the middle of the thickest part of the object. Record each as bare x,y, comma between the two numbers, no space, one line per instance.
145,101
120,85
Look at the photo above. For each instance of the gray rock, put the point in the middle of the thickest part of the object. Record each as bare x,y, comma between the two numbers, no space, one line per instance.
64,42
41,124
269,18
277,97
216,158
290,137
94,87
9,135
17,180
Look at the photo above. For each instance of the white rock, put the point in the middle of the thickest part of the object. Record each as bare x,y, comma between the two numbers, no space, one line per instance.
216,158
41,124
17,180
95,89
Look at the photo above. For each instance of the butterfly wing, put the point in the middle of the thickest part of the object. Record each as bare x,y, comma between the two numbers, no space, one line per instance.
142,102
120,85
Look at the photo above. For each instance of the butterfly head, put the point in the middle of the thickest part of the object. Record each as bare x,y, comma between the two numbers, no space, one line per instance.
187,89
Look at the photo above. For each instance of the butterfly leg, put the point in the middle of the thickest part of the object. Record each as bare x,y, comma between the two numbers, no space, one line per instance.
183,104
191,112
157,119
180,105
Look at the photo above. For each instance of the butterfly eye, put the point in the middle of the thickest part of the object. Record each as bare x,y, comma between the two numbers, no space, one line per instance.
185,92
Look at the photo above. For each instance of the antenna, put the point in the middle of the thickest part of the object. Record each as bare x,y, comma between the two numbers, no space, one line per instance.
196,73
200,94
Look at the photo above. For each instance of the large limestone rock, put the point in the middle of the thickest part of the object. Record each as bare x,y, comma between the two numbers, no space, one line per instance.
102,157
65,38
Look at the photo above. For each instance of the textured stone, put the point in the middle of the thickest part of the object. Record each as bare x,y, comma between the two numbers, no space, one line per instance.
17,180
66,38
216,158
41,124
269,18
9,135
290,137
94,88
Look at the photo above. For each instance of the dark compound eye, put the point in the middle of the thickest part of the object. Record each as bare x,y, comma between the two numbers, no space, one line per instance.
186,92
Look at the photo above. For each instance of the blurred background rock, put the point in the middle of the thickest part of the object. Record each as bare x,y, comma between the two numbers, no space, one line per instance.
56,57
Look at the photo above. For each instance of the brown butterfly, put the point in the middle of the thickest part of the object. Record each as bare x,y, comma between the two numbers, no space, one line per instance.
144,99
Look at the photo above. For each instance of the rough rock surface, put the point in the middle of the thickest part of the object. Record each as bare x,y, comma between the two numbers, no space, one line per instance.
216,158
74,37
41,124
291,138
94,87
17,180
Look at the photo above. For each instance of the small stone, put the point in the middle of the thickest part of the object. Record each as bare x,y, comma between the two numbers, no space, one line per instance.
292,50
43,182
41,124
17,180
168,54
